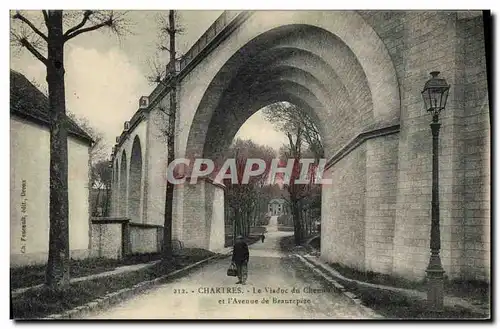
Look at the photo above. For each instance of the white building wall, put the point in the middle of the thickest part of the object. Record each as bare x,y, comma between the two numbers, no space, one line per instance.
29,167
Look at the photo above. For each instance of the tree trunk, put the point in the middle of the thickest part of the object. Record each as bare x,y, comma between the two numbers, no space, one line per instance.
169,194
234,225
245,224
249,216
308,226
106,205
57,273
304,223
97,202
296,221
238,223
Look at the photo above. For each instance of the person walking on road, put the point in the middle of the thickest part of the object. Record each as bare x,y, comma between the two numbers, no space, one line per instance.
240,259
262,237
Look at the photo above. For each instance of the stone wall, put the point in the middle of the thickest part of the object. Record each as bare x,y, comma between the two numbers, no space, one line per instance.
122,178
380,204
477,147
144,239
343,211
107,240
420,42
215,208
194,221
156,165
397,218
376,216
203,221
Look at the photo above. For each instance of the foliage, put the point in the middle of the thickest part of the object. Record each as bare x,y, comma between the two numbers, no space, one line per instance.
246,203
101,171
304,142
298,125
99,150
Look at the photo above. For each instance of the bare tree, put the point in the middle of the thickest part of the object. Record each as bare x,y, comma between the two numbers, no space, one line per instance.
296,124
99,149
168,30
101,176
242,198
100,170
44,37
303,140
158,63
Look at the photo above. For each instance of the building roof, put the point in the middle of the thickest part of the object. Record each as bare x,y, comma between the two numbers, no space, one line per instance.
28,102
278,201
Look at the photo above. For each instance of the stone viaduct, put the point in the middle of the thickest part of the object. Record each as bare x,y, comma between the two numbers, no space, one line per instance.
359,74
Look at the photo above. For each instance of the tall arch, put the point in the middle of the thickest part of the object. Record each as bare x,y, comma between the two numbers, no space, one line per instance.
135,179
332,65
116,187
122,199
359,71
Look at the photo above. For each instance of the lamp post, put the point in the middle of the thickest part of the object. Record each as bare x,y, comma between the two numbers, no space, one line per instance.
435,94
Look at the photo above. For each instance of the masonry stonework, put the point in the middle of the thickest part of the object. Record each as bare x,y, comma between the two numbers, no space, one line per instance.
343,217
380,202
356,73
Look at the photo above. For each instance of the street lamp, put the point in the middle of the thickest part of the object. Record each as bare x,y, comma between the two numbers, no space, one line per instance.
435,94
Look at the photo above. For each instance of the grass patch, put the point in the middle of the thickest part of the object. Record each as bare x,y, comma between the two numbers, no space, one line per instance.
28,276
315,243
468,289
43,302
398,306
285,228
475,290
377,278
287,244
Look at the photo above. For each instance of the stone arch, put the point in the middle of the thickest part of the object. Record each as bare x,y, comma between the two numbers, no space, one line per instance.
135,180
122,198
349,80
331,64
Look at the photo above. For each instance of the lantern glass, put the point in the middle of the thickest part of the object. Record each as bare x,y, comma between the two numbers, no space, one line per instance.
435,93
444,98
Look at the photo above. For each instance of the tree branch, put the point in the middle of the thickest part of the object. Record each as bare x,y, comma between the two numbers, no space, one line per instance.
45,17
163,48
87,29
25,43
86,16
28,22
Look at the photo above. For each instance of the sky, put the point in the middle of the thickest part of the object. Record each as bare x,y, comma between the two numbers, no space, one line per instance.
106,75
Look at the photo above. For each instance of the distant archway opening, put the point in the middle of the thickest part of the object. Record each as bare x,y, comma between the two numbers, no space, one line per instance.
135,178
123,186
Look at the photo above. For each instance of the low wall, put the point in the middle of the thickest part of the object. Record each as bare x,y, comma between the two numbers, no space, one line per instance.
118,238
144,238
107,237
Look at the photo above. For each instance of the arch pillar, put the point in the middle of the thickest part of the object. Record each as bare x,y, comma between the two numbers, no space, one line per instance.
123,187
202,214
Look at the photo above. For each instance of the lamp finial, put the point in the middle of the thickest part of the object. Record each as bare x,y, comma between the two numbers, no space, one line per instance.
435,73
